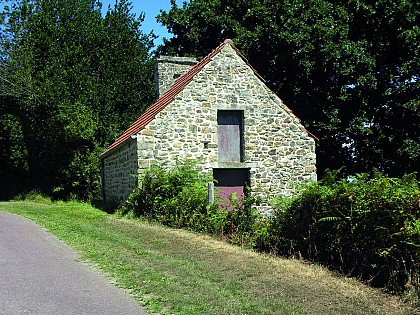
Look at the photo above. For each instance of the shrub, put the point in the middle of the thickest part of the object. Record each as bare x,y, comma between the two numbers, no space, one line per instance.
178,197
237,220
365,226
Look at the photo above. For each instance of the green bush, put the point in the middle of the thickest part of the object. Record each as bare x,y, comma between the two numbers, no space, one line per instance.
237,220
365,226
175,197
178,197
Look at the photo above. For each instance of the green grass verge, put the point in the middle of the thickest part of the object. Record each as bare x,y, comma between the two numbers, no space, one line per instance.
175,272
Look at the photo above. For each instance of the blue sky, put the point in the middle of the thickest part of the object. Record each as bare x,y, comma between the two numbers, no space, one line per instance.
151,8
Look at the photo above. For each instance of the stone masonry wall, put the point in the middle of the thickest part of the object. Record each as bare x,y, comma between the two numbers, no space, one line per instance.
278,150
167,69
120,170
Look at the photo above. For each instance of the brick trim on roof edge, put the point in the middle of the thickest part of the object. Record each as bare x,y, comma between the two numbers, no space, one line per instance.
180,83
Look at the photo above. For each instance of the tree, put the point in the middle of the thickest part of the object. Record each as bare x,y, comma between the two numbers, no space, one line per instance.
78,79
348,69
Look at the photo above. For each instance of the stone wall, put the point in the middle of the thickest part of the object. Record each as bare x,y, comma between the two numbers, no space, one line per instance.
168,69
120,172
278,150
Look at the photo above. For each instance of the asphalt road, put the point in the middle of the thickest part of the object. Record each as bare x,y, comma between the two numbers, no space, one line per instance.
39,275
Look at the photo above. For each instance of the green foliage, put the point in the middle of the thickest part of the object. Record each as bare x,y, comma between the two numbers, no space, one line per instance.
178,197
13,150
348,69
365,226
33,196
71,79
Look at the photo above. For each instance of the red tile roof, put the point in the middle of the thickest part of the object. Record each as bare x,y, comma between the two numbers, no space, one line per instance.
170,95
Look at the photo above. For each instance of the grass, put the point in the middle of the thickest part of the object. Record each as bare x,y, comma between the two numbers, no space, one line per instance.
176,272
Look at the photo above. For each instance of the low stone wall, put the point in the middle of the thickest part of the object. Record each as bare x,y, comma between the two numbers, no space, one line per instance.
120,173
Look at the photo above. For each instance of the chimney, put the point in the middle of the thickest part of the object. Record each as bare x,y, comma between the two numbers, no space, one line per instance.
168,69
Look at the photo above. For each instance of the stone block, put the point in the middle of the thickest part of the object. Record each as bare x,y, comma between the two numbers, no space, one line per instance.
147,132
310,168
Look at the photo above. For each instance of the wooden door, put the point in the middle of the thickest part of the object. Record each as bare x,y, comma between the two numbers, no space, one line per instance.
230,135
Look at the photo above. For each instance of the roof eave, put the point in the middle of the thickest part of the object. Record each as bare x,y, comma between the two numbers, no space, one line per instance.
112,150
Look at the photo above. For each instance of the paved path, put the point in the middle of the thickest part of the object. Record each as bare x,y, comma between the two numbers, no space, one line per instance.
39,275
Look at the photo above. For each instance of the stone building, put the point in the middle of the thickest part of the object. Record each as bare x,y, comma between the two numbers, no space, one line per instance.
219,112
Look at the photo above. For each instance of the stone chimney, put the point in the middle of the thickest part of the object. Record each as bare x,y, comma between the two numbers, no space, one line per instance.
168,69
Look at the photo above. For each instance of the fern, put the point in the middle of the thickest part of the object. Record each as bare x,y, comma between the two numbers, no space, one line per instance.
330,219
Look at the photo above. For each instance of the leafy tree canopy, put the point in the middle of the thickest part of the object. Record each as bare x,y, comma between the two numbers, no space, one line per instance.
348,69
70,81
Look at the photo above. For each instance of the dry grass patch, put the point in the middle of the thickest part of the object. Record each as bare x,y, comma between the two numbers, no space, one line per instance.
269,279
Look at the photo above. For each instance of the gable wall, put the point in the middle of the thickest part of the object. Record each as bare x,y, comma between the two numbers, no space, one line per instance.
278,151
